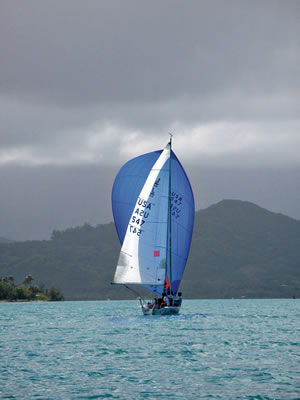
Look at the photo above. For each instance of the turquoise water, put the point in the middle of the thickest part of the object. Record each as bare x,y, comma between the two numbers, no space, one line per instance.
215,349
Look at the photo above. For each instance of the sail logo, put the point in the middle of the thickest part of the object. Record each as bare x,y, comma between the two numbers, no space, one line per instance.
155,186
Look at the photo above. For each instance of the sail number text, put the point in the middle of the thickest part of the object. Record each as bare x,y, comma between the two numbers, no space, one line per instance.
141,213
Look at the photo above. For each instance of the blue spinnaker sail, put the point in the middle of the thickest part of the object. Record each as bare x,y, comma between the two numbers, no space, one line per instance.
127,187
165,199
182,221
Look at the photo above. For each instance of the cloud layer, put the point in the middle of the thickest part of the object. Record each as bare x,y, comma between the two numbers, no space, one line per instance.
84,82
84,86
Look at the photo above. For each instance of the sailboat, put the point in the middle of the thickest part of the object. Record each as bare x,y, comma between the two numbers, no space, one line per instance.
153,209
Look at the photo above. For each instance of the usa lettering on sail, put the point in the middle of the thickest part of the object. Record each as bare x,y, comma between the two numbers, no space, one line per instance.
141,213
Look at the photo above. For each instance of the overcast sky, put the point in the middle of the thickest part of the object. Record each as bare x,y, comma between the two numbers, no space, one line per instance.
86,85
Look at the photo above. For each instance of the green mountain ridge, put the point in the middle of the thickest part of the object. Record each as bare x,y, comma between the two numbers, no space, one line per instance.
238,250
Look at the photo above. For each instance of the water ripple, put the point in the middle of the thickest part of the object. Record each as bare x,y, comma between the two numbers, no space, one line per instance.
246,349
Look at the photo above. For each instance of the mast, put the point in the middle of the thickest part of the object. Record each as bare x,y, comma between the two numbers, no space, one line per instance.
170,215
135,264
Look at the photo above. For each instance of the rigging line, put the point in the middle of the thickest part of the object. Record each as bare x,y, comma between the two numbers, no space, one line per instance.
133,291
170,213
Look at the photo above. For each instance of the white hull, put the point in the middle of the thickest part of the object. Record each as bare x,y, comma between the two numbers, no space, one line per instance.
171,310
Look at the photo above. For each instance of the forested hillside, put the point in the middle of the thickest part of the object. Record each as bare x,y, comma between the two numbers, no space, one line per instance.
238,249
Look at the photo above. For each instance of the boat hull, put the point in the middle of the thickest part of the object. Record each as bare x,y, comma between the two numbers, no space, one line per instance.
160,311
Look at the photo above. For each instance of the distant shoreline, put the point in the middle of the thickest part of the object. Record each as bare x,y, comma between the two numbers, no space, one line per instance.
23,301
187,299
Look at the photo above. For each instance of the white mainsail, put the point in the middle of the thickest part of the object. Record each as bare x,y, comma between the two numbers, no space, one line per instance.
131,269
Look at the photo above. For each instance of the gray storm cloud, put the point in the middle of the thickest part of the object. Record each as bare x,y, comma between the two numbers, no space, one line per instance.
98,51
88,85
80,57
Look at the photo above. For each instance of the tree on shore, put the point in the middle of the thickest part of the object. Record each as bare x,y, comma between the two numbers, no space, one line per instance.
28,280
55,294
26,291
11,279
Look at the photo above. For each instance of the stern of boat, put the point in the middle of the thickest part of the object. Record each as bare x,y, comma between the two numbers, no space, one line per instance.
166,311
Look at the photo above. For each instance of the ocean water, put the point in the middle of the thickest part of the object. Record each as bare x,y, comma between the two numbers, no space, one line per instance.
215,349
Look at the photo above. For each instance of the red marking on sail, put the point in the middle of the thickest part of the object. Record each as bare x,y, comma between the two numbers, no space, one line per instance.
156,253
167,282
